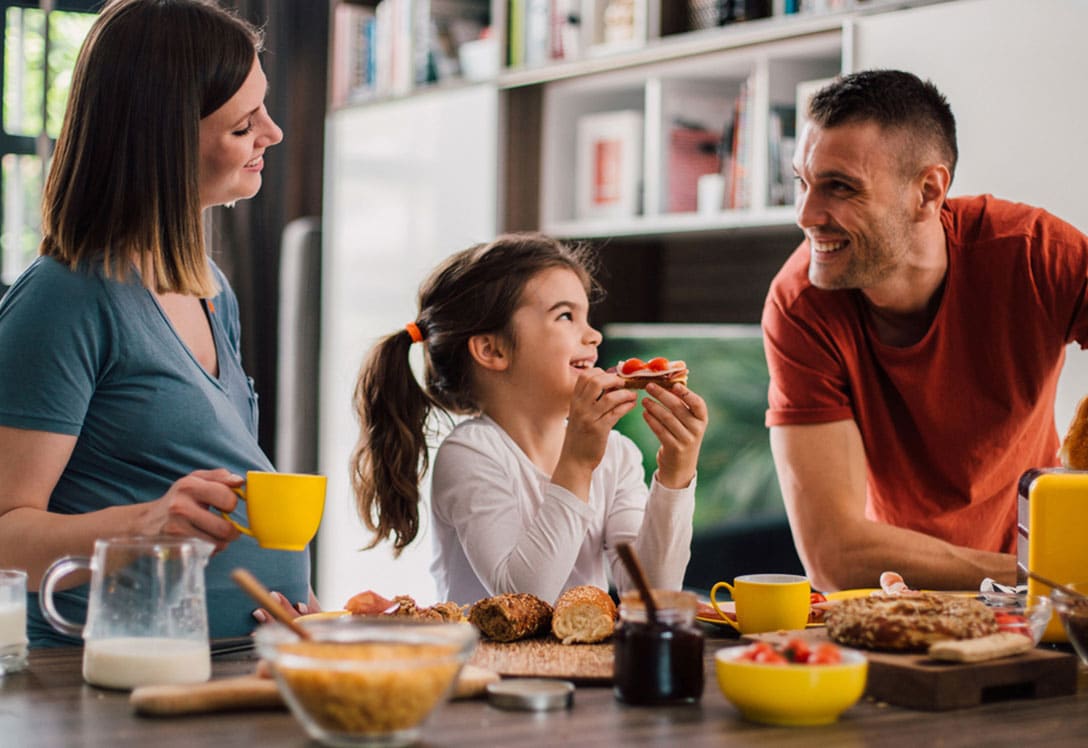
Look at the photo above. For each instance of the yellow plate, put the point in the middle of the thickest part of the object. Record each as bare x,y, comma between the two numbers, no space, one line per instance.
719,622
322,615
847,594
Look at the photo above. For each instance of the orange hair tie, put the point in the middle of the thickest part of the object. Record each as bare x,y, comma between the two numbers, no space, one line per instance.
414,332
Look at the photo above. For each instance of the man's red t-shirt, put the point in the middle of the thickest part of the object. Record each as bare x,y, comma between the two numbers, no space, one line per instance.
950,423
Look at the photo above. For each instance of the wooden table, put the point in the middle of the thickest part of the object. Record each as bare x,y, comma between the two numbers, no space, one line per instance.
49,705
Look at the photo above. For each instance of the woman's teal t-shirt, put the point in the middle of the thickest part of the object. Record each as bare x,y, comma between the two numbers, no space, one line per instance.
97,358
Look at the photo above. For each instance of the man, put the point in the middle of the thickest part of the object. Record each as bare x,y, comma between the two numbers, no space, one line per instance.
914,343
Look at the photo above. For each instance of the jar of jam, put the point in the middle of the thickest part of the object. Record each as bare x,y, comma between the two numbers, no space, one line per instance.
658,663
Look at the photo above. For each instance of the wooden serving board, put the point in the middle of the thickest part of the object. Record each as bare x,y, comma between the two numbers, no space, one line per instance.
918,682
547,657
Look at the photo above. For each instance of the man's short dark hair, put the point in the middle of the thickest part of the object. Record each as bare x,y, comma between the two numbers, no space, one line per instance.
893,99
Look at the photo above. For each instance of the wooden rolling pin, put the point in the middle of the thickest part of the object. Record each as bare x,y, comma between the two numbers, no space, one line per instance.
253,692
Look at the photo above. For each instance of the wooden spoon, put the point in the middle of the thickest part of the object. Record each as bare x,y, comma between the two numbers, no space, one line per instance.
260,593
1054,585
634,570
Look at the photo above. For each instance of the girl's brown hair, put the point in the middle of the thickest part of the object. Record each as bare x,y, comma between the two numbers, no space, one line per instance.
474,292
123,189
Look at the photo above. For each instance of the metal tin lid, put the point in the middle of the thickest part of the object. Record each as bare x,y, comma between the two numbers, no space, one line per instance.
531,694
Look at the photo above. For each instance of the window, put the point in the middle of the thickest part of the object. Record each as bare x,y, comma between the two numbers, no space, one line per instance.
41,41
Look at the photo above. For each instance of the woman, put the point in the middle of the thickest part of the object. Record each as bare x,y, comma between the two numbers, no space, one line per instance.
124,408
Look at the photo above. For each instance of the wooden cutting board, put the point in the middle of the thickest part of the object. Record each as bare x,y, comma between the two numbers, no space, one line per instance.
547,657
917,682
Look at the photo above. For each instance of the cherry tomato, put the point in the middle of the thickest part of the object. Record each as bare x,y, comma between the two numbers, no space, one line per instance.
816,597
825,654
631,365
657,364
770,657
797,650
1013,622
757,649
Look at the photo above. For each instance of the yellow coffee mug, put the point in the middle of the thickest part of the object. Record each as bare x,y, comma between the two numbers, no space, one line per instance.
284,508
766,602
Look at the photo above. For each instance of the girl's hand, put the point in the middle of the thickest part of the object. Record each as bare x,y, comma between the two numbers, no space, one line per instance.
678,417
183,511
597,403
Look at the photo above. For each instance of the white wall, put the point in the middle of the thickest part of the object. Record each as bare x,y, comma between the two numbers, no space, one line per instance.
1013,72
407,183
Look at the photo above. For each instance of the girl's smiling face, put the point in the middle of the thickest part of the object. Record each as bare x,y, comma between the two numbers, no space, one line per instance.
554,342
233,140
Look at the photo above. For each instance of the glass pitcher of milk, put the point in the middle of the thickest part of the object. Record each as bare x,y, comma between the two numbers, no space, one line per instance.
147,620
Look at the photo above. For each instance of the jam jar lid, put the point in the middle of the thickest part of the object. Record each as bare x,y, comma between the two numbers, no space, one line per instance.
531,694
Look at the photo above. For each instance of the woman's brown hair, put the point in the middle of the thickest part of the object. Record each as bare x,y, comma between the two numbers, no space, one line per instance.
474,292
123,189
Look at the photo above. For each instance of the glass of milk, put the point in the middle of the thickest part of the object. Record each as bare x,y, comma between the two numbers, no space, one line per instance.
12,620
147,622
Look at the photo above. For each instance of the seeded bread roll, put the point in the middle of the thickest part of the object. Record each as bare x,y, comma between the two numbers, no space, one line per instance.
907,623
583,615
1074,451
511,616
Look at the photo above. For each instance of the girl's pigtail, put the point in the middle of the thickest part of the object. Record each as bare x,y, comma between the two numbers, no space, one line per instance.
390,457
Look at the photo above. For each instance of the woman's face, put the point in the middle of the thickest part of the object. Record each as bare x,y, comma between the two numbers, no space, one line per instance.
233,140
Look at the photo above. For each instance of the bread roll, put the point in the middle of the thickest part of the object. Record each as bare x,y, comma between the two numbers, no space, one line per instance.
511,616
583,615
1074,451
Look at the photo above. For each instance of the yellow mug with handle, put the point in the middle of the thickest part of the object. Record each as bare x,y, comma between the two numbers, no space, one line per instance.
766,602
284,509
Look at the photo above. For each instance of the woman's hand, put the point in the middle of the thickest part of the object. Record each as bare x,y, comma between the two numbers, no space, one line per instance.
678,417
598,402
291,611
183,511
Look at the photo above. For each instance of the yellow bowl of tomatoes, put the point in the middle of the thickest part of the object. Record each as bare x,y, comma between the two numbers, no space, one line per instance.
800,683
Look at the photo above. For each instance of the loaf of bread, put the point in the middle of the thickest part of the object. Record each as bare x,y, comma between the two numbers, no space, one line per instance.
583,615
1074,451
511,616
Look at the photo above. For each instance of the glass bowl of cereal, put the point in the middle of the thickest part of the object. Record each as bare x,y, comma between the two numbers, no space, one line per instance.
366,681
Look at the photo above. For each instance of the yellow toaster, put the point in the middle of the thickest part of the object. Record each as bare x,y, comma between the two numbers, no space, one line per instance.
1053,532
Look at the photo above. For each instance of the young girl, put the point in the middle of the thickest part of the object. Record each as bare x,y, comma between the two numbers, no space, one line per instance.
535,491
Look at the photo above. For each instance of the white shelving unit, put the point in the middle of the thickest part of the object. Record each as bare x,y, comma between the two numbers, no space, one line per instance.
773,69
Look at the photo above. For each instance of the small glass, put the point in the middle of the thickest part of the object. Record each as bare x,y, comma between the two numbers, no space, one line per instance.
661,663
13,641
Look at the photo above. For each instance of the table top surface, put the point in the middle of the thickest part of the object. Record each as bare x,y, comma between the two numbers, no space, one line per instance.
49,705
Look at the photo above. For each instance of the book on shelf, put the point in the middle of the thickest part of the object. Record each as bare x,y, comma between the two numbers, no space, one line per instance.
609,165
565,40
395,46
538,23
740,178
533,32
515,34
350,59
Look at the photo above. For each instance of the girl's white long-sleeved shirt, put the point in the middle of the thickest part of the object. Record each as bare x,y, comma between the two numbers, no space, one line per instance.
500,524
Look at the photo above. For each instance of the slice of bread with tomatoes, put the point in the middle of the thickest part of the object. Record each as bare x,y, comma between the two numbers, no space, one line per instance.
636,373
